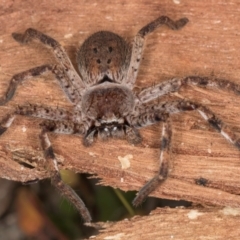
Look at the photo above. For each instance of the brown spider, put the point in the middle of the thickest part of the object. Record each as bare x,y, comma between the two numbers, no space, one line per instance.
105,104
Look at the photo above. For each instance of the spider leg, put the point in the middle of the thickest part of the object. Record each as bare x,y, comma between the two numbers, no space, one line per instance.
179,106
164,165
57,120
174,85
62,125
44,112
56,179
155,113
59,73
139,40
51,162
59,52
65,127
18,78
68,88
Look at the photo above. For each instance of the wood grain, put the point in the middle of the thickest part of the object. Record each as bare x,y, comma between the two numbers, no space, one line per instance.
208,45
169,223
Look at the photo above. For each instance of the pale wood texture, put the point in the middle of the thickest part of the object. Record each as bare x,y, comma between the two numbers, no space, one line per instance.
169,223
208,45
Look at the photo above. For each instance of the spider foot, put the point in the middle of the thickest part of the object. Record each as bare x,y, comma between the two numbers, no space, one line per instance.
181,23
65,190
19,37
56,179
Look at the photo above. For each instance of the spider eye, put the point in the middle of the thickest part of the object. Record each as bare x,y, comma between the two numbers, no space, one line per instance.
109,61
110,49
95,50
98,61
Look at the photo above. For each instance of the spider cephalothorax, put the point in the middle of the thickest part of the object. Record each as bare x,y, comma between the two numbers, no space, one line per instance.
105,103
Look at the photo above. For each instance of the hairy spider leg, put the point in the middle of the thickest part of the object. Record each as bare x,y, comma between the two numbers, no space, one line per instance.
175,84
58,72
163,166
74,80
20,77
156,113
51,162
44,112
56,179
138,44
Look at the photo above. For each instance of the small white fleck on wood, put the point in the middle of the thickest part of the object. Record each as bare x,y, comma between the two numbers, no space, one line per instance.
230,211
109,18
82,32
69,35
176,1
115,237
24,129
125,161
194,214
92,154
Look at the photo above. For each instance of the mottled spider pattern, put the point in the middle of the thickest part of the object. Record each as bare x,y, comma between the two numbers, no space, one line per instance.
105,104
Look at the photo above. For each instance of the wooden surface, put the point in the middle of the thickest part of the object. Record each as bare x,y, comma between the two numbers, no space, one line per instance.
169,223
207,46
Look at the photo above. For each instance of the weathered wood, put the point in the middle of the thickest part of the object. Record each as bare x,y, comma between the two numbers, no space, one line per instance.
208,45
176,224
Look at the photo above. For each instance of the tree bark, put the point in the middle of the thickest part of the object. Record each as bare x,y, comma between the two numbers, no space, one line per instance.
205,168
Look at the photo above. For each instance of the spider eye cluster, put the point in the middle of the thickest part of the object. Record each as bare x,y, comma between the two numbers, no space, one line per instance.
107,57
114,131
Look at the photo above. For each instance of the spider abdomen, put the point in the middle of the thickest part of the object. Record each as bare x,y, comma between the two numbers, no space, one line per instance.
103,54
